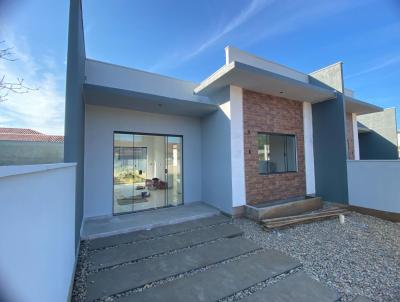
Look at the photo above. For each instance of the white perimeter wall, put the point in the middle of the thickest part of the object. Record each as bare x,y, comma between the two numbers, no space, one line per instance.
374,184
101,122
37,231
309,148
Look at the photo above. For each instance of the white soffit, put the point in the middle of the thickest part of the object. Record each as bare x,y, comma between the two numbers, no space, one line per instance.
263,81
359,107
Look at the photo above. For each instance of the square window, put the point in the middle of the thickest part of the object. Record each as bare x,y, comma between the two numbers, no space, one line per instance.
276,153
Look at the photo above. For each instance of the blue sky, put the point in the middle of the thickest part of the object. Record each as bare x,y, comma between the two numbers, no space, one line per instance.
186,39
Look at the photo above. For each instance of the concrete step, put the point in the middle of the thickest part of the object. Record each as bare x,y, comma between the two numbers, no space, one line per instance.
127,277
283,208
136,236
220,281
361,299
296,288
143,249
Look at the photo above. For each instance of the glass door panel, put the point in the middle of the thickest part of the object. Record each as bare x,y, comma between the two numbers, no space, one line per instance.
147,172
174,170
149,187
123,173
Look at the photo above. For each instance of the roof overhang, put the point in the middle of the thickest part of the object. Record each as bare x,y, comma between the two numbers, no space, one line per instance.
134,100
263,81
359,107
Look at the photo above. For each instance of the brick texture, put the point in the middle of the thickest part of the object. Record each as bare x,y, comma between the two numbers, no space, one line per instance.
350,136
266,113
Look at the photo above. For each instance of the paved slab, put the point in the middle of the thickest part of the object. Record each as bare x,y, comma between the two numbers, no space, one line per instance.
296,288
111,225
99,243
361,299
143,249
109,282
220,281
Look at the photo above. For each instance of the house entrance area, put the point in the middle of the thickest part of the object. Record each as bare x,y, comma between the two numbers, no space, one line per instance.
147,171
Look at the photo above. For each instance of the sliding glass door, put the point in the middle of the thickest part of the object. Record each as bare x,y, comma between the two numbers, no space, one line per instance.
147,172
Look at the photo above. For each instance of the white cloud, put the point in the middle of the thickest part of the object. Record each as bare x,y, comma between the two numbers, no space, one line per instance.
380,65
41,109
247,13
290,16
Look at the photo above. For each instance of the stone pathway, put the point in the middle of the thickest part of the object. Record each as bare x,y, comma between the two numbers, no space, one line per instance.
202,260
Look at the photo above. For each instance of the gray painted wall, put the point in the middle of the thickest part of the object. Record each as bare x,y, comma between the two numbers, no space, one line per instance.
30,153
101,122
330,76
381,142
216,158
330,143
74,105
374,184
330,150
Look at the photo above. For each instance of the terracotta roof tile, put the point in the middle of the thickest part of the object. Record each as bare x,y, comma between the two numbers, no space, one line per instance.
27,135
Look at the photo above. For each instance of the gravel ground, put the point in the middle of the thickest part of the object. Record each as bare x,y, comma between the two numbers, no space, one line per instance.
361,257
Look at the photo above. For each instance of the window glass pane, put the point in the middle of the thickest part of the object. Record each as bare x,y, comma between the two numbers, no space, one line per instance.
263,150
123,173
291,153
276,153
276,162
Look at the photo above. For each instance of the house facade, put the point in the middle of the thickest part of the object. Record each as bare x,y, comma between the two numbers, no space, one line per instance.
252,132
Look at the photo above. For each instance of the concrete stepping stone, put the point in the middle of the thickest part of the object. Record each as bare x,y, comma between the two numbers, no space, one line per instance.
361,299
220,281
99,243
143,249
109,282
296,288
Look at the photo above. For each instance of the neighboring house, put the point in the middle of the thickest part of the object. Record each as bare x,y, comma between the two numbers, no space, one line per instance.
20,146
398,142
378,138
254,131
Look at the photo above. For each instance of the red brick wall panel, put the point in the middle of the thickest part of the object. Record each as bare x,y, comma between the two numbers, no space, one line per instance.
266,113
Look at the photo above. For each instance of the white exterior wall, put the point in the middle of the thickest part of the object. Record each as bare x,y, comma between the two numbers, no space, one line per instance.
237,147
309,148
130,79
216,154
374,184
355,138
37,231
234,54
101,122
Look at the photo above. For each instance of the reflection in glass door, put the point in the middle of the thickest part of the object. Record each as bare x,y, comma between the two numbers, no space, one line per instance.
174,165
147,172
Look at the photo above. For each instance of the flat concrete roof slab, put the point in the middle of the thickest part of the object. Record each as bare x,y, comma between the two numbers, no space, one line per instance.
296,288
139,101
109,282
136,236
131,252
119,224
220,281
263,81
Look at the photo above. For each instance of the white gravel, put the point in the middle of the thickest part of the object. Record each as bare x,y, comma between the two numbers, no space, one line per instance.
360,257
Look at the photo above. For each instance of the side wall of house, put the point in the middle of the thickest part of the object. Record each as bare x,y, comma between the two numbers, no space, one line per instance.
381,142
216,158
74,139
101,122
266,113
330,150
350,136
